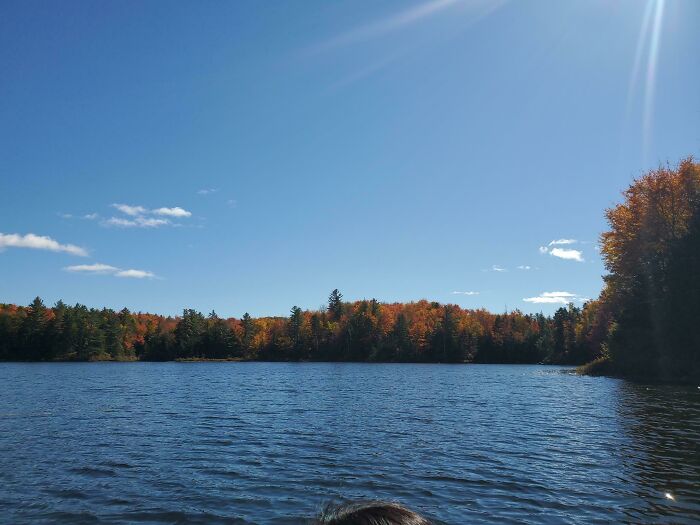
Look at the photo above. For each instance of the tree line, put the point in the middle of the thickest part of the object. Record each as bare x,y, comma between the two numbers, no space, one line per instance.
644,324
364,330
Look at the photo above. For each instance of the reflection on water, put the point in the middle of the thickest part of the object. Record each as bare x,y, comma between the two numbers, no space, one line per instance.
662,456
270,442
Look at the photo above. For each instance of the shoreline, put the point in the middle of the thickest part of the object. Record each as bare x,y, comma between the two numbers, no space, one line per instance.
601,367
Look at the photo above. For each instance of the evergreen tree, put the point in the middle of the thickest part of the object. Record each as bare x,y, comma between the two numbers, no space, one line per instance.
220,341
189,334
32,332
335,304
112,333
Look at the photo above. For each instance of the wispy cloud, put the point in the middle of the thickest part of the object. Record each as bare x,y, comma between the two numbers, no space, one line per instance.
118,221
136,222
524,267
555,298
87,216
130,210
91,268
38,242
496,268
141,217
107,269
207,191
136,274
562,241
465,293
150,222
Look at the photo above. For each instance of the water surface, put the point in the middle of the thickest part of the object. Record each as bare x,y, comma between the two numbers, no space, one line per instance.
271,442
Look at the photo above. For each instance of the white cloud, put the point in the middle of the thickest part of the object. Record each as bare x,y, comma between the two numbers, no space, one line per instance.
555,298
91,268
563,241
562,253
524,267
465,293
140,217
558,294
130,210
91,216
546,300
38,242
137,274
207,191
173,212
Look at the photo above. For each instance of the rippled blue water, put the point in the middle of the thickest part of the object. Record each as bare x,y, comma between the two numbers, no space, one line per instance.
270,442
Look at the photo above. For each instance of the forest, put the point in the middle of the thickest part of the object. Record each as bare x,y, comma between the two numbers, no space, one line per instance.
644,324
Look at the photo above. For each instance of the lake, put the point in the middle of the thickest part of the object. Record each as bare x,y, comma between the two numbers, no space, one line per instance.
271,442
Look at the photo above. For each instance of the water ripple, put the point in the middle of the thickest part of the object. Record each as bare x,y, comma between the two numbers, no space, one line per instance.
244,443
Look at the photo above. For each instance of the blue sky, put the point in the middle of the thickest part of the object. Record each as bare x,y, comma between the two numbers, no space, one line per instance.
250,156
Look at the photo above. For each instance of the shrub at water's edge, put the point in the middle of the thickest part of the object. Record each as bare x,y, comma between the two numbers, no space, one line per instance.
598,367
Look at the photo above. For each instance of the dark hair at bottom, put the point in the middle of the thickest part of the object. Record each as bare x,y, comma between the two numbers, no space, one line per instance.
369,513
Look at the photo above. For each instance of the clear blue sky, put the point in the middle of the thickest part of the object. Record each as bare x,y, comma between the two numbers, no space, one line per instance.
272,151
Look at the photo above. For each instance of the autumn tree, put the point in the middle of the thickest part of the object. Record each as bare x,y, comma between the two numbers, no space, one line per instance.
649,254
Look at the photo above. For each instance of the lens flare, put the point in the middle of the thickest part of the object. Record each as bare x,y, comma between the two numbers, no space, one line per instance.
649,41
650,87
